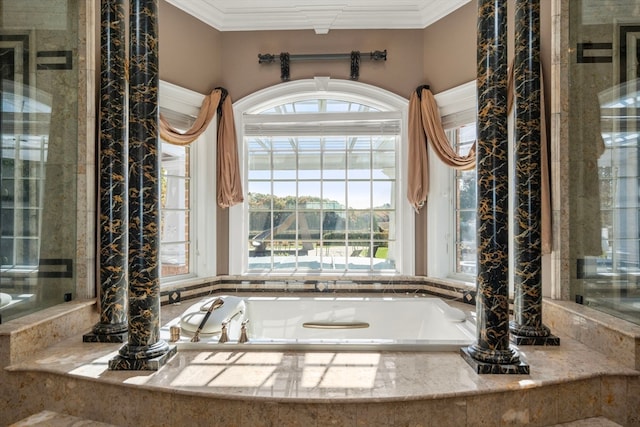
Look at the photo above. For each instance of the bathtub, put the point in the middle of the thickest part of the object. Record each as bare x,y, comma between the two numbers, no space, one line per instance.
321,323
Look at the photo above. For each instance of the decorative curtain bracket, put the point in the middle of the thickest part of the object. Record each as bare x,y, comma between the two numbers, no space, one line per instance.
419,90
223,95
355,57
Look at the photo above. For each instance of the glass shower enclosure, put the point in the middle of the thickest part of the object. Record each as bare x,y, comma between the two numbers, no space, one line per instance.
38,151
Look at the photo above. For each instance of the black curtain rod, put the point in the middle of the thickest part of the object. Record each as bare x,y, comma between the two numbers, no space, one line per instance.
355,56
268,58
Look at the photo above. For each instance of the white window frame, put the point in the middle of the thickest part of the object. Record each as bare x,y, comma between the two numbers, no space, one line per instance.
324,87
202,225
457,107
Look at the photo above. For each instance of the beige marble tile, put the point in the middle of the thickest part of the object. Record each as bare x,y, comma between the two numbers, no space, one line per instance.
498,409
543,405
441,412
336,415
633,401
614,398
297,415
381,414
579,400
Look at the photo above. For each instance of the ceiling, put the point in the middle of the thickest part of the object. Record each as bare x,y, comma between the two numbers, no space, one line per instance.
319,15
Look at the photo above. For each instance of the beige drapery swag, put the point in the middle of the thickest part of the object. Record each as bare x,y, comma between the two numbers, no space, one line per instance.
425,126
228,170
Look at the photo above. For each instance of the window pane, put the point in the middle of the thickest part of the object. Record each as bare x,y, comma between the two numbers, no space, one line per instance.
259,222
383,224
467,190
334,165
467,227
310,222
282,143
464,240
335,143
359,165
285,225
284,194
259,145
383,194
309,165
333,224
259,166
309,143
174,259
333,194
176,192
175,210
360,194
309,194
384,143
359,224
174,226
284,165
360,143
259,194
384,164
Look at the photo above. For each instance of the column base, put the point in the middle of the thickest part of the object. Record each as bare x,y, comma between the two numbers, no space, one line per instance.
531,335
121,363
107,332
550,340
520,367
112,338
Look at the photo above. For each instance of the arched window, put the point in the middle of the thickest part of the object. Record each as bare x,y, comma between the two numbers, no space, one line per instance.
324,178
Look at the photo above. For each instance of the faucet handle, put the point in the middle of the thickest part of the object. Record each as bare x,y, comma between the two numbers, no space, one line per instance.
243,332
223,334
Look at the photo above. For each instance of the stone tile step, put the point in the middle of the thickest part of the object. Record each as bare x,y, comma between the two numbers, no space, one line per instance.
55,419
590,422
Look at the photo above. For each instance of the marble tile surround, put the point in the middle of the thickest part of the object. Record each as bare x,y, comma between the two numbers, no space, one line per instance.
614,337
567,383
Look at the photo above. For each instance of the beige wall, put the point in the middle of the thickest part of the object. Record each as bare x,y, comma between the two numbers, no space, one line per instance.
450,49
189,50
450,46
400,73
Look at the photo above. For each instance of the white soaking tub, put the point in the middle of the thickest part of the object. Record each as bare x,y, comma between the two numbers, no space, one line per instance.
326,323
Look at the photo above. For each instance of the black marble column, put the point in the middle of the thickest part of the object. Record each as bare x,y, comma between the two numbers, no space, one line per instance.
527,327
144,350
112,166
492,353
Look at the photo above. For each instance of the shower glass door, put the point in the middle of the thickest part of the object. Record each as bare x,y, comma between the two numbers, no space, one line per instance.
38,151
604,129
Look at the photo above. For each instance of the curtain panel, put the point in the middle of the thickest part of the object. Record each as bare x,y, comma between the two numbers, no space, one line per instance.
229,185
425,127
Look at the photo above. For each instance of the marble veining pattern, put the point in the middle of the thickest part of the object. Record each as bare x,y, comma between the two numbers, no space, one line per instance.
145,349
492,348
527,327
113,174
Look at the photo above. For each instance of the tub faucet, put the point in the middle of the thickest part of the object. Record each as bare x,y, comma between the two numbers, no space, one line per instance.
215,304
223,334
243,332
